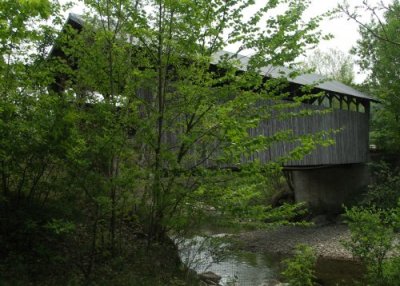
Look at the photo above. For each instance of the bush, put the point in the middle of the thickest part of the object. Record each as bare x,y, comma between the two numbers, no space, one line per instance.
300,269
385,190
372,235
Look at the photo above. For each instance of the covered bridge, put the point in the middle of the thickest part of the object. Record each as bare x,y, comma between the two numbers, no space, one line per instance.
328,176
347,112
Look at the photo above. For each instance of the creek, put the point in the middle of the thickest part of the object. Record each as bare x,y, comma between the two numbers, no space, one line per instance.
212,253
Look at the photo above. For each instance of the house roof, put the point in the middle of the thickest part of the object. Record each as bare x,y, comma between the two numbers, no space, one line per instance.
317,80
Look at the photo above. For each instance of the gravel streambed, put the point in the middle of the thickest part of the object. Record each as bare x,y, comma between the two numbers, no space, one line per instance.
326,240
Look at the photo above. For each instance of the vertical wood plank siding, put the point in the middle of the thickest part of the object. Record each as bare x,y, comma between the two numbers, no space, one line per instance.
351,141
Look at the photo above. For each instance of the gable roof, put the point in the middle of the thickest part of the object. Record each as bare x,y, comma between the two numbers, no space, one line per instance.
319,81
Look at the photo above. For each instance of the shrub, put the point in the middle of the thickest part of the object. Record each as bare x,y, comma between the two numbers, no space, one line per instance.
384,192
372,235
300,269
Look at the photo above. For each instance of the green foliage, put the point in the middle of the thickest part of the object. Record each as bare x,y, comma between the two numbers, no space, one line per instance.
372,236
301,267
60,227
378,51
190,109
371,232
131,129
391,270
384,192
372,228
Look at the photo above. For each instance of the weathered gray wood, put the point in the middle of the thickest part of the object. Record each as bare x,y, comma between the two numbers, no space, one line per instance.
351,142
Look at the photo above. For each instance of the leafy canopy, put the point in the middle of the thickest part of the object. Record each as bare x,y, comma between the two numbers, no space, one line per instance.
378,51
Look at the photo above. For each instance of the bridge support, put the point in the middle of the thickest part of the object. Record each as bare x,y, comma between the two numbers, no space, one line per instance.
326,189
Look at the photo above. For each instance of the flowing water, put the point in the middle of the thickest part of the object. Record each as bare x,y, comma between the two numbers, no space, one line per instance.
236,268
255,269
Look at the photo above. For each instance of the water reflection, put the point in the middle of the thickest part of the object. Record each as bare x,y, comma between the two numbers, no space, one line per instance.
255,269
204,254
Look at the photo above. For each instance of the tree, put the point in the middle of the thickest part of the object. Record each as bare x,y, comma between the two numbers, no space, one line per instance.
34,132
133,125
22,85
378,51
334,65
192,109
373,227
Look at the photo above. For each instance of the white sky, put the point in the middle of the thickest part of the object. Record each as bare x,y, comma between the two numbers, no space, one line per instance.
345,31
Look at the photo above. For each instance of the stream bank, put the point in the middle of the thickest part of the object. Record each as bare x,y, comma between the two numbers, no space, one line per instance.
335,264
255,257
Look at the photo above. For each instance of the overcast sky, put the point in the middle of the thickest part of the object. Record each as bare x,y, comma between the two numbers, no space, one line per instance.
345,31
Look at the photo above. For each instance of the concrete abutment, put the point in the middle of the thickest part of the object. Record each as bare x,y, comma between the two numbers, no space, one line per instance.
326,189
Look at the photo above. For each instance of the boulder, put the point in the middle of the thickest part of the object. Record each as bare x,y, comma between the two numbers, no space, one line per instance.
210,278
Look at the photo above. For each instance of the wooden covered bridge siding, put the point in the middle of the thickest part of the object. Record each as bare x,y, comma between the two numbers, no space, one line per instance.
351,140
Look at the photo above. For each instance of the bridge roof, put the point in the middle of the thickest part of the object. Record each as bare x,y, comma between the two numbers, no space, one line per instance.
277,72
317,80
76,18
